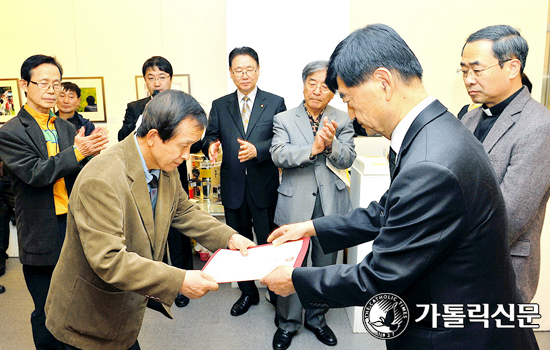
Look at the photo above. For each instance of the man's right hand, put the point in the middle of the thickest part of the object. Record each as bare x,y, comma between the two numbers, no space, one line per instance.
292,232
197,283
92,144
213,150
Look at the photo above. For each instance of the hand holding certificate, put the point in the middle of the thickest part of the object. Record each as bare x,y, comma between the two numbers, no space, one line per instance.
230,266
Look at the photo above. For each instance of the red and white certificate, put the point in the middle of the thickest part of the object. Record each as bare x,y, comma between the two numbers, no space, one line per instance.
230,266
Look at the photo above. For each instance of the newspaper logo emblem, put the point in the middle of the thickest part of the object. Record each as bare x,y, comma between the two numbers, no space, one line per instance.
385,316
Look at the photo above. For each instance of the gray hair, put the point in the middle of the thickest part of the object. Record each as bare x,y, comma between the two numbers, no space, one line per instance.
507,43
165,112
313,67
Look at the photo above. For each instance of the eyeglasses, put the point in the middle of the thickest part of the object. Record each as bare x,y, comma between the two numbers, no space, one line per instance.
465,72
160,78
46,86
248,72
322,87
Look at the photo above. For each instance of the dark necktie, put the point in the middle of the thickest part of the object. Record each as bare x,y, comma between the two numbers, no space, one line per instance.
154,184
391,160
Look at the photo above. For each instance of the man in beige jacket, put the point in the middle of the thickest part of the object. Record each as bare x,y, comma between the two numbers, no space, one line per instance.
117,226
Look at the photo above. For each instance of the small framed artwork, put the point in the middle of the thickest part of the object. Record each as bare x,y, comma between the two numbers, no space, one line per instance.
10,99
92,97
179,82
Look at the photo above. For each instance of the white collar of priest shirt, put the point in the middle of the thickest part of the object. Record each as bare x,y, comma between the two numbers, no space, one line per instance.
251,96
398,134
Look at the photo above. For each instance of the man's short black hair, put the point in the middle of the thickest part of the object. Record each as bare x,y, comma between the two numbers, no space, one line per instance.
245,50
68,86
507,43
35,61
160,62
165,112
365,50
90,100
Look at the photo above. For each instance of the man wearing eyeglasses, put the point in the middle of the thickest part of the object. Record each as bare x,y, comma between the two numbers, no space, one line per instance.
157,73
515,132
307,141
43,155
242,123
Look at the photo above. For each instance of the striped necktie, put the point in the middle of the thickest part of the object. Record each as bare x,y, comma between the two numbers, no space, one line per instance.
245,113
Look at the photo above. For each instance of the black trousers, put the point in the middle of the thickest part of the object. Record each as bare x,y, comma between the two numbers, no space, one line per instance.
6,211
245,218
38,280
180,250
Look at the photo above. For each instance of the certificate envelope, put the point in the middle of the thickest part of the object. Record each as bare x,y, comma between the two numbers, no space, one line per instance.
230,266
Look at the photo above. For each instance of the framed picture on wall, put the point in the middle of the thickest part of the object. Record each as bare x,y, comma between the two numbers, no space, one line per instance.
10,99
179,82
92,97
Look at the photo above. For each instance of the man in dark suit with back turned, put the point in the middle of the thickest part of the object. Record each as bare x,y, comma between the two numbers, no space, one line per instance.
157,73
515,132
439,231
242,123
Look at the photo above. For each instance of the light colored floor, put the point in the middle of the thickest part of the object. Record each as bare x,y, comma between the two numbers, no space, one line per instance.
205,324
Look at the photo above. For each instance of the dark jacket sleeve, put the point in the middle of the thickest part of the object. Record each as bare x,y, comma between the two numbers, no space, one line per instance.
129,122
24,162
212,131
423,219
262,148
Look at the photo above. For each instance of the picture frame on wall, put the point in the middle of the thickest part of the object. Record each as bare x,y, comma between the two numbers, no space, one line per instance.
10,99
92,97
179,82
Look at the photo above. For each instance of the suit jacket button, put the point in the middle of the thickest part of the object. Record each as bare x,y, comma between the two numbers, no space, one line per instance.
314,194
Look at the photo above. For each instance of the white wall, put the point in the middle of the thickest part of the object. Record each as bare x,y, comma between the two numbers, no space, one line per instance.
287,35
436,31
113,38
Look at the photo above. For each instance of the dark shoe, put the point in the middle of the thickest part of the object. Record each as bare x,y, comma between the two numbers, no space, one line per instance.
324,334
282,339
242,305
182,300
2,289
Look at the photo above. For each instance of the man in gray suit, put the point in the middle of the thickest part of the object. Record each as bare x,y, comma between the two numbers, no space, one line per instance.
515,132
306,139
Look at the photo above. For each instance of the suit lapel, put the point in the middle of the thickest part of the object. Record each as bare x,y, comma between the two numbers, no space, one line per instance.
257,110
303,124
162,210
34,132
472,118
233,109
434,110
63,134
138,187
506,120
144,103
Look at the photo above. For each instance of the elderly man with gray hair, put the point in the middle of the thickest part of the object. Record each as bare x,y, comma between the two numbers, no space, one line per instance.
121,208
515,132
306,140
